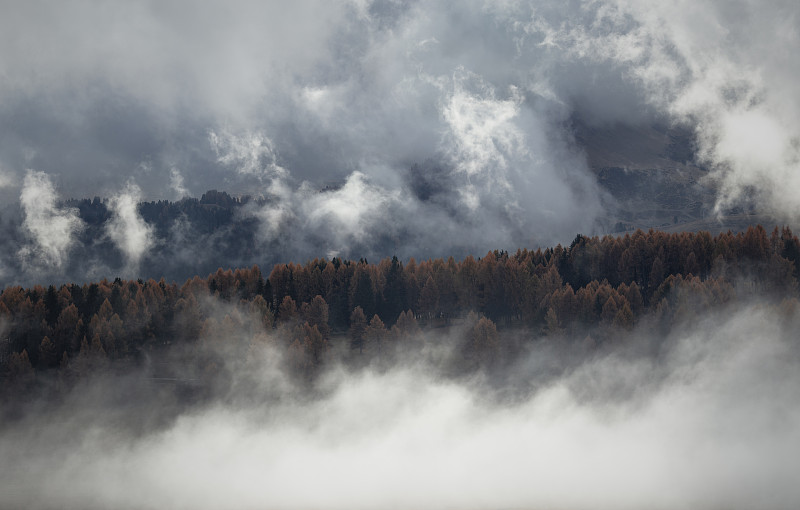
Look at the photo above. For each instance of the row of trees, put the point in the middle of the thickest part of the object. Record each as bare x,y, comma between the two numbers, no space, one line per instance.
595,282
510,288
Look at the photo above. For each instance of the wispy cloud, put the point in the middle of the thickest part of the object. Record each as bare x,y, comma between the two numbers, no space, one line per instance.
177,184
127,229
51,228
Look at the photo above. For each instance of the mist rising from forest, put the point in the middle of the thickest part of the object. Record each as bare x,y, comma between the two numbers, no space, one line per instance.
701,417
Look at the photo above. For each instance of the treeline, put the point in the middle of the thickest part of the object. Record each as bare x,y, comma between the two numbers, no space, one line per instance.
211,211
191,235
595,284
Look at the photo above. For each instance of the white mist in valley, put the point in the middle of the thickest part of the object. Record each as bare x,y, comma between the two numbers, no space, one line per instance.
708,419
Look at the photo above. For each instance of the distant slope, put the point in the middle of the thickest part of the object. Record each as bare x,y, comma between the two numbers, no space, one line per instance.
653,176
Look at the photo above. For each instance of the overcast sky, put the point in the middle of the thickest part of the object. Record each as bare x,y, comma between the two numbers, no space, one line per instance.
170,99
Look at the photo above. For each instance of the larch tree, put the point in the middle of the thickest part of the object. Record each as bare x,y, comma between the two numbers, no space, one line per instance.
483,344
358,328
48,356
317,315
375,335
287,311
429,299
406,326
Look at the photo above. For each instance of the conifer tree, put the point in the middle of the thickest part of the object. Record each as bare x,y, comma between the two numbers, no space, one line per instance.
375,336
47,353
358,328
483,344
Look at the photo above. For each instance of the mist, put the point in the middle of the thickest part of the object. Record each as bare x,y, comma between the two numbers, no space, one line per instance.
127,230
705,416
50,228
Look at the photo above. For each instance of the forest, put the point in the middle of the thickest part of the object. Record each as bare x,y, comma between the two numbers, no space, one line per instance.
591,293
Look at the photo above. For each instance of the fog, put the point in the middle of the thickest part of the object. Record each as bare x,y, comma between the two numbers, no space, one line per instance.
704,417
282,101
51,228
127,229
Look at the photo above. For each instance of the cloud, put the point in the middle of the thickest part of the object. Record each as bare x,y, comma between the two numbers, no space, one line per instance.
127,229
249,154
349,211
512,161
177,184
482,137
351,94
271,99
725,68
50,227
6,178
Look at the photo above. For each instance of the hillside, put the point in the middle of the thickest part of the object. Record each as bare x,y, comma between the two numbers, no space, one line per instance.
655,180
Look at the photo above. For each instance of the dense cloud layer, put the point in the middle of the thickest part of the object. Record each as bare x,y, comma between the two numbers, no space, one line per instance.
708,419
282,100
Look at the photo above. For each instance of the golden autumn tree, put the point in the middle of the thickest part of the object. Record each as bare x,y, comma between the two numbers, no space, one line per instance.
483,344
358,328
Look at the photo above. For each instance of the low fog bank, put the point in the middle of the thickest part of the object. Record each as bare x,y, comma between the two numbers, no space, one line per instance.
706,416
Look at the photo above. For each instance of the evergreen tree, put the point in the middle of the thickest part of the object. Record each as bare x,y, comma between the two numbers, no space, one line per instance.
358,328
